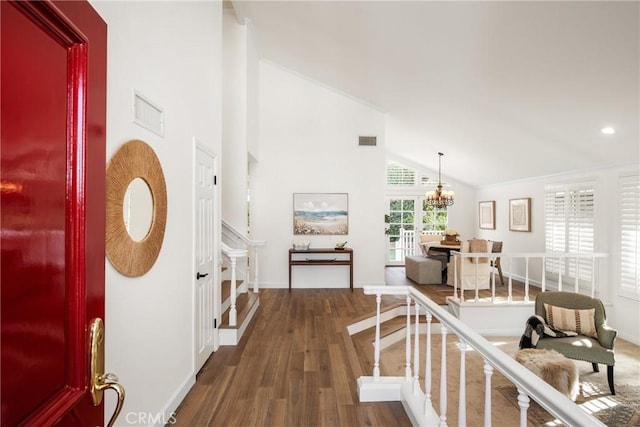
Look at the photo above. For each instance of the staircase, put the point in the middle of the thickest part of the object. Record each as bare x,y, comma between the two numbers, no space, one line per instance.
239,304
247,303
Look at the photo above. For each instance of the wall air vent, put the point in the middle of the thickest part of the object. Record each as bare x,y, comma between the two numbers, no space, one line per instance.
147,114
370,141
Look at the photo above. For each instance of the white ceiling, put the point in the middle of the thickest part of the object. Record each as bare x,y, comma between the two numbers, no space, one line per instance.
507,90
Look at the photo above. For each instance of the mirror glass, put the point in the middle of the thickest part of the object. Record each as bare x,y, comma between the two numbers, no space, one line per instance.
137,209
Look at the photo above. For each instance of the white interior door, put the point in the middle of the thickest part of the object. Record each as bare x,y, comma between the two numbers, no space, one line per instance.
207,293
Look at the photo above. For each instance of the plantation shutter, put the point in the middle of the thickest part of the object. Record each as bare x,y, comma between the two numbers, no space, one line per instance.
629,190
570,226
555,224
581,228
400,176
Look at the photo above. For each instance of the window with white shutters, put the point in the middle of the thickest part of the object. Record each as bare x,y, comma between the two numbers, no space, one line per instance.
400,176
629,190
570,227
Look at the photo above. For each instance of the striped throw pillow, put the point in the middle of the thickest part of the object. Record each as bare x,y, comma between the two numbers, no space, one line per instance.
565,319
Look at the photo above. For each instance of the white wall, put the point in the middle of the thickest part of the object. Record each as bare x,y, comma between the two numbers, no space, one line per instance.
253,94
171,52
309,144
623,314
235,118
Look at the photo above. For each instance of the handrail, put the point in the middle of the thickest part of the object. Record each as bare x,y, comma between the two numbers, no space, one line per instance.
528,384
237,237
233,252
245,239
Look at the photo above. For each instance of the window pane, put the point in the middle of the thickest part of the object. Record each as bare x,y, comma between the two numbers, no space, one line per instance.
395,205
407,220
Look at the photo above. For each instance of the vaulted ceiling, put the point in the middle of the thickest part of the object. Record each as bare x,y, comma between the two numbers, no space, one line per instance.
507,90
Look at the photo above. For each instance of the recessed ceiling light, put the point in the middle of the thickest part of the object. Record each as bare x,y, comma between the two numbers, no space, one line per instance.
608,130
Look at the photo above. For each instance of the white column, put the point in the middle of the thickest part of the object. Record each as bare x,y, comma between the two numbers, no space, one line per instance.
407,362
576,286
233,312
526,279
488,371
523,402
256,265
510,297
416,352
476,281
462,389
493,280
544,273
376,350
443,378
428,407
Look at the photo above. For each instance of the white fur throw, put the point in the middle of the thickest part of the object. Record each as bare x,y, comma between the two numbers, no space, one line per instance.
558,371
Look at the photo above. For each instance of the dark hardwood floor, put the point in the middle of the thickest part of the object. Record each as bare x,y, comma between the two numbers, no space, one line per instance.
295,366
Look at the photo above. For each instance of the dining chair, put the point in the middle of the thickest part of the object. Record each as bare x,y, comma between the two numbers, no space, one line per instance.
497,248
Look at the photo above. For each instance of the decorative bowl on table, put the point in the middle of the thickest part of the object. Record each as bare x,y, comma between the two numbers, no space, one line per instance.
340,245
301,245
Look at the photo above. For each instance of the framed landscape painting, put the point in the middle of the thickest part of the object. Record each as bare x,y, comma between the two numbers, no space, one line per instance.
520,214
321,213
487,215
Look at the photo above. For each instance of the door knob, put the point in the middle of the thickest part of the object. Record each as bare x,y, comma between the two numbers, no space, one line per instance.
199,276
99,380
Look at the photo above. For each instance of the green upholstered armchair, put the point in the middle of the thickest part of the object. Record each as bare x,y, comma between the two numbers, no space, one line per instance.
581,347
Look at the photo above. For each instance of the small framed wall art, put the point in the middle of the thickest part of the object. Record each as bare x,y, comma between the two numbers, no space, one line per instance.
487,215
520,214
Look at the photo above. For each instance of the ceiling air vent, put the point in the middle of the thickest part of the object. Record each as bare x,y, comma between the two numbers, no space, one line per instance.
367,141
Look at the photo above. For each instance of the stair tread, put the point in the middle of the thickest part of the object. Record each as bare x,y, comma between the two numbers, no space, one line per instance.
383,308
386,328
244,304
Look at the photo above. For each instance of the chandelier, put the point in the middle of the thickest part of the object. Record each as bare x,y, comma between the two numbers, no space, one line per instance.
439,198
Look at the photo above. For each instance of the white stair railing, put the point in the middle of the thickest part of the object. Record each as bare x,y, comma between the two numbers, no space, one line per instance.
417,400
509,259
232,255
234,239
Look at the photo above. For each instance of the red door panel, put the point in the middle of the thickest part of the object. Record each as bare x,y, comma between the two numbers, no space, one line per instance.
52,275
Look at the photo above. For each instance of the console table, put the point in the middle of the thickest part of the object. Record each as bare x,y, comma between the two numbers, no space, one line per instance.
325,259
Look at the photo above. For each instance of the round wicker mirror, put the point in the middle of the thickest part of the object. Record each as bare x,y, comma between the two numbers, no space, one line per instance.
134,159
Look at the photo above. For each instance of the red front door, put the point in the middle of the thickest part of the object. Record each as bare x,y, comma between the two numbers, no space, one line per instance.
52,178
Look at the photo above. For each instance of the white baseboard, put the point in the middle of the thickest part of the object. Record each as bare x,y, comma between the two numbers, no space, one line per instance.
168,414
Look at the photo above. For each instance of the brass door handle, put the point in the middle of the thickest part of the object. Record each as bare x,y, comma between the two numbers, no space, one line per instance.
99,380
